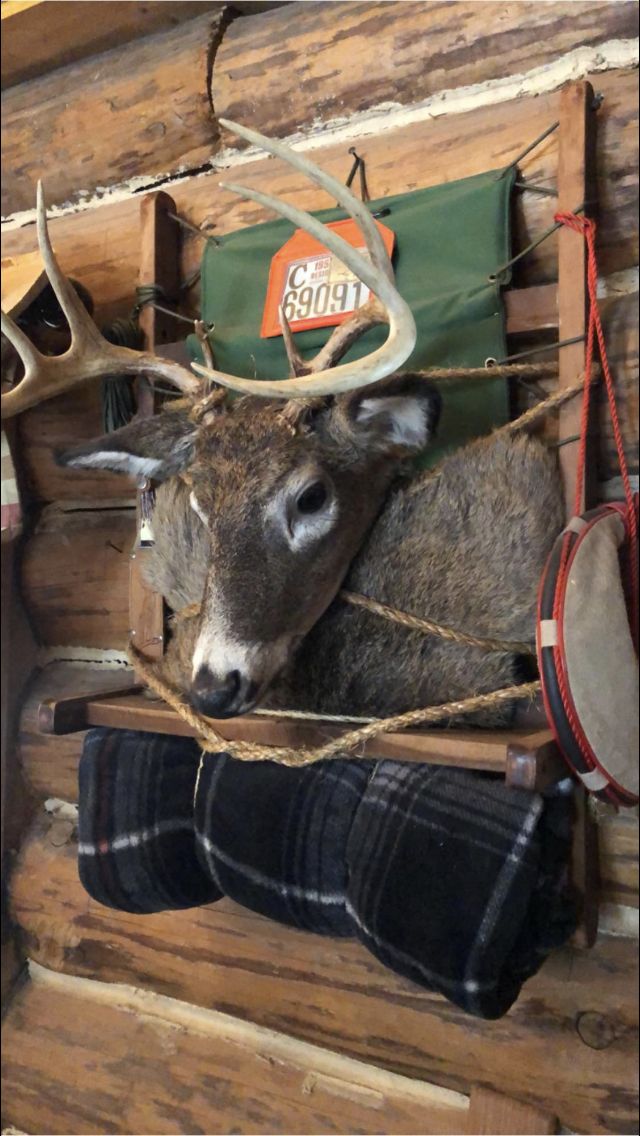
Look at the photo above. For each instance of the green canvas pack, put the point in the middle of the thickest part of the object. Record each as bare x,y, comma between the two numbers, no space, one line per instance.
450,241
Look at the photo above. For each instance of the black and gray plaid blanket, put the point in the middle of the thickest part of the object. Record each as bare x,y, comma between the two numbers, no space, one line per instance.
448,877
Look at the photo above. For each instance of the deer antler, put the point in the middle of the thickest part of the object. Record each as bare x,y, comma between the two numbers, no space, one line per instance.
90,356
319,378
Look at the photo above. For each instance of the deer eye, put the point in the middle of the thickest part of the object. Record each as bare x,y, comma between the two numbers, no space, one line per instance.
312,499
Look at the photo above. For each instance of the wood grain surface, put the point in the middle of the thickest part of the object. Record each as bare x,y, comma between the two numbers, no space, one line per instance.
309,63
75,576
569,1044
142,108
96,1044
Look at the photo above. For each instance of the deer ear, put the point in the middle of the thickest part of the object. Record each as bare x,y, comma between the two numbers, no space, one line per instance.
155,447
397,415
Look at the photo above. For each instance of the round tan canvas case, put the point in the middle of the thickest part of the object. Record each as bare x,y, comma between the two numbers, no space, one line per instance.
588,664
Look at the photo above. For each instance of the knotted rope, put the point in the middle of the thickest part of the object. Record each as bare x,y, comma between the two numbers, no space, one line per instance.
213,742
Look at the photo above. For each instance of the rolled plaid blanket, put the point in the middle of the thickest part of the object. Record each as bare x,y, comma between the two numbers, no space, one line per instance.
448,877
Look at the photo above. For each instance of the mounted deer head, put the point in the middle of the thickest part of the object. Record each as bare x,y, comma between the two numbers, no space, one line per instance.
285,495
284,514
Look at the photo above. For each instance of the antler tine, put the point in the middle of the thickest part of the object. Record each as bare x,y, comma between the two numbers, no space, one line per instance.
376,273
296,362
79,320
340,192
364,269
90,355
371,314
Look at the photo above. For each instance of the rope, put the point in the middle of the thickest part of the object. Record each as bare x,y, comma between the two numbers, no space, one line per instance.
213,742
494,371
413,622
587,229
428,627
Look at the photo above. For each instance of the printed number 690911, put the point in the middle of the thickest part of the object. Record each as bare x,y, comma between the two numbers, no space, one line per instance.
321,300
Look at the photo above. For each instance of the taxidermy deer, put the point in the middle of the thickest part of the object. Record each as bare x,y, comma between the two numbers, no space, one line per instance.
267,509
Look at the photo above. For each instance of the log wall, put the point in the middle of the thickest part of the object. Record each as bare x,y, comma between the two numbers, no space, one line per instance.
427,92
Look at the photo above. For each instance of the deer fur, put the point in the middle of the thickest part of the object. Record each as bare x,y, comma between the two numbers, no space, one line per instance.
466,549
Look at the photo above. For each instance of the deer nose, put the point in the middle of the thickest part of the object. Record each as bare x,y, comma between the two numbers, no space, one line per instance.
215,697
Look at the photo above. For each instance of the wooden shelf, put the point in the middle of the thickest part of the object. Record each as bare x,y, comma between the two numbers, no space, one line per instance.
528,758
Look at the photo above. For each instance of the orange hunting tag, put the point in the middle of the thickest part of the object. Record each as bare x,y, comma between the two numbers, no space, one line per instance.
312,285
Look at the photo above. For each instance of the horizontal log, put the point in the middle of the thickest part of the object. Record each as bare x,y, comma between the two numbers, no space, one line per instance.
55,425
136,110
309,63
618,843
621,329
50,763
101,247
75,576
262,1081
568,1045
39,37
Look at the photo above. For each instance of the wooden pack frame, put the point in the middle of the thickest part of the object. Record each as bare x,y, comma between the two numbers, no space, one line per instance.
528,758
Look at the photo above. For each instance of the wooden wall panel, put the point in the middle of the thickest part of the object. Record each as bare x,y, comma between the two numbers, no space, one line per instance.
38,39
142,109
64,421
620,324
121,1068
309,63
75,577
333,993
92,1046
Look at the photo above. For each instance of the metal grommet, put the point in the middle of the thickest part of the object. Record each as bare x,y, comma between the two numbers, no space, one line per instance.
493,276
490,362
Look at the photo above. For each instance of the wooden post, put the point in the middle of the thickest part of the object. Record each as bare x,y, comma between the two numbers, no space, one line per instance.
575,180
159,264
575,187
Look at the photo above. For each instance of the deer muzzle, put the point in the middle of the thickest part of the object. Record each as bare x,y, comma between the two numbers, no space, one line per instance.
221,697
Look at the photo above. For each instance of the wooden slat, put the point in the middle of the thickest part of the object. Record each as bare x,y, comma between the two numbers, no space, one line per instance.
574,183
333,993
531,309
342,59
75,577
473,749
38,37
159,265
